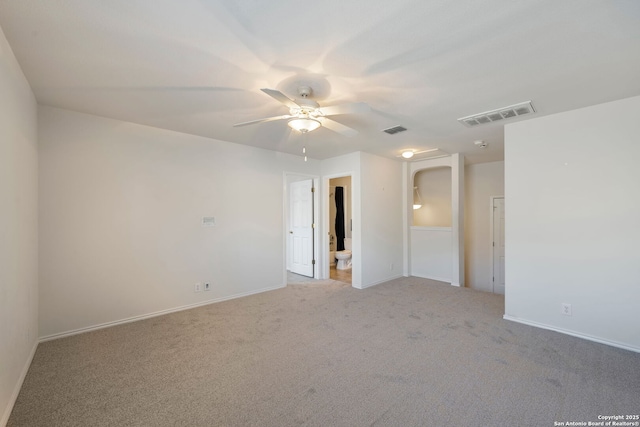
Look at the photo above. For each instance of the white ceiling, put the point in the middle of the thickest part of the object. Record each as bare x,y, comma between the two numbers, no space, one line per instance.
197,66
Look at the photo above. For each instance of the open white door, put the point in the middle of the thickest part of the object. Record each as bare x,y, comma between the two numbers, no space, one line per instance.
301,223
498,245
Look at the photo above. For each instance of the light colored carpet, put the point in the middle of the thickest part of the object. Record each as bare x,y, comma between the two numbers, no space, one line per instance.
409,352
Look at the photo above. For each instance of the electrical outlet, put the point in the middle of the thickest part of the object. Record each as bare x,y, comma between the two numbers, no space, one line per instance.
565,309
207,287
197,287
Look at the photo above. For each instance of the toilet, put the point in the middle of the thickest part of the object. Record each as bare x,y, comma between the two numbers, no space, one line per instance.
344,257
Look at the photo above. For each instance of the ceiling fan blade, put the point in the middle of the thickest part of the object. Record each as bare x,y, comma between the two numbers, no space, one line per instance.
268,119
164,88
337,127
279,96
355,108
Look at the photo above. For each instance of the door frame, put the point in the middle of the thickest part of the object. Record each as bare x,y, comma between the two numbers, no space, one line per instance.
326,226
492,272
288,178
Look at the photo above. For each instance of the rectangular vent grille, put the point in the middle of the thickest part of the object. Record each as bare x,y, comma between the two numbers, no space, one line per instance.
394,130
498,114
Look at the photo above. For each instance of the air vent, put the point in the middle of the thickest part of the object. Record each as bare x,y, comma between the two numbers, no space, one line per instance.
394,130
498,114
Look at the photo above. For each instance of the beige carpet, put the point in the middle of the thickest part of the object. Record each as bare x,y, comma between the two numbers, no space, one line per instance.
409,352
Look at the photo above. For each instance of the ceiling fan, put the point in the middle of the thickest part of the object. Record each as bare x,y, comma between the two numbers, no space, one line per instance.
306,115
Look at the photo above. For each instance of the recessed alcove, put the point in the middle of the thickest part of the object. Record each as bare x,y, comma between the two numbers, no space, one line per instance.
435,233
433,187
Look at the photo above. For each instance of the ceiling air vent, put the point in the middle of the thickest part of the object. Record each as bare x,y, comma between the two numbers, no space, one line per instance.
393,130
515,110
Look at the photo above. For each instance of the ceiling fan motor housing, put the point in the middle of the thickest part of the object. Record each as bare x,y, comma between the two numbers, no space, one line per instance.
306,106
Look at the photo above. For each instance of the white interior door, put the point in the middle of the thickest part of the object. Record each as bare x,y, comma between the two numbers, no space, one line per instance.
498,245
301,223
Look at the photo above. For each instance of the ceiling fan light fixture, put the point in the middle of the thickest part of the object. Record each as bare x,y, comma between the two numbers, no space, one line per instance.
304,124
305,115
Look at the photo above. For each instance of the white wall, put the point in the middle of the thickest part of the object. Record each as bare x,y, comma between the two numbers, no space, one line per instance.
377,194
431,249
121,207
18,228
482,181
573,221
381,204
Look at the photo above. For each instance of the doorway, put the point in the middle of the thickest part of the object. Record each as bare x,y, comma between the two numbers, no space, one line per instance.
301,223
300,237
340,231
497,244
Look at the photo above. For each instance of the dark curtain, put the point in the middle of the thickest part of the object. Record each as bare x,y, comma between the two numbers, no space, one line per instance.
340,218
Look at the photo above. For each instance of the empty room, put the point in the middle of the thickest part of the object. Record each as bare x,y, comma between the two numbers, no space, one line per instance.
244,213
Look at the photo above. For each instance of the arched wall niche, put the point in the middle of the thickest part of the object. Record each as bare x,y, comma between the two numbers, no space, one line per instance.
437,252
432,192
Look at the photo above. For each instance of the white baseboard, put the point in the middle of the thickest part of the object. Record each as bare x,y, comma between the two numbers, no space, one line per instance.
437,279
154,314
572,333
18,386
379,282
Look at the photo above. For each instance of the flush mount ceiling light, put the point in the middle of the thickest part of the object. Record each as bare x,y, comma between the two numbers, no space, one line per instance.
432,153
503,113
304,124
